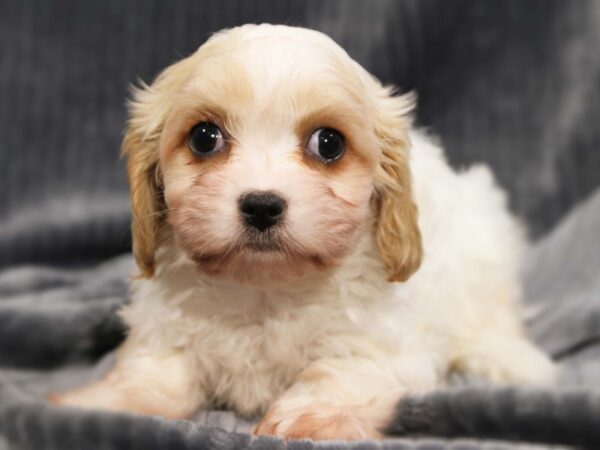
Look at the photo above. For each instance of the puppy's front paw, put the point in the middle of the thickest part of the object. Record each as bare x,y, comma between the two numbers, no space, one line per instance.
55,399
317,422
95,396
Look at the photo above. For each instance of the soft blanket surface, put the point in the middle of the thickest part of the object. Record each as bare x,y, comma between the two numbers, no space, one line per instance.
55,323
515,84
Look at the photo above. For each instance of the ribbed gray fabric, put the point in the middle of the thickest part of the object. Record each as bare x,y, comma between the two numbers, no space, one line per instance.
561,417
64,319
514,83
55,323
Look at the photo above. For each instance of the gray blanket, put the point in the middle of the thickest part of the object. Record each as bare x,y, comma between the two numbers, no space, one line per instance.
514,83
65,320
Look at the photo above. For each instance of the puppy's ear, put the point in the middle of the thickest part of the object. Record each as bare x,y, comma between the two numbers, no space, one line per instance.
397,233
148,111
145,197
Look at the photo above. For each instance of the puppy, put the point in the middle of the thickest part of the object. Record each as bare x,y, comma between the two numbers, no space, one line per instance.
303,253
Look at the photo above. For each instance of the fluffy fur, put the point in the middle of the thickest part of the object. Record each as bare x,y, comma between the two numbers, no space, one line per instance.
390,271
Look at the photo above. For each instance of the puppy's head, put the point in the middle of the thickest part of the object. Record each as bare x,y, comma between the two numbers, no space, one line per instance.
266,152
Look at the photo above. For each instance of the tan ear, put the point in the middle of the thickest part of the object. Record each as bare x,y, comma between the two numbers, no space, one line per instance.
146,199
148,111
396,231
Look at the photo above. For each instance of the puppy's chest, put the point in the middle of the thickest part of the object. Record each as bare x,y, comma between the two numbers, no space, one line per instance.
248,364
284,339
248,348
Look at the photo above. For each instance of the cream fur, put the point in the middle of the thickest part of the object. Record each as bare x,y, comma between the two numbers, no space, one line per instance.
326,352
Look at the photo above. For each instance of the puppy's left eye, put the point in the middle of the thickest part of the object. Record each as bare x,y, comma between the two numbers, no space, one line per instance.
326,144
205,139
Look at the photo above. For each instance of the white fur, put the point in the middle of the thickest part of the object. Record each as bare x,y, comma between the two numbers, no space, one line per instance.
342,337
248,344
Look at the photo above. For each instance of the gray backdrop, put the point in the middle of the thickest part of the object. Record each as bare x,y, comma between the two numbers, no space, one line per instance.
515,83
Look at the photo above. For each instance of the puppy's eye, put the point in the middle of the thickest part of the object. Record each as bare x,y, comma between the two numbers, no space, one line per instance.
205,138
326,144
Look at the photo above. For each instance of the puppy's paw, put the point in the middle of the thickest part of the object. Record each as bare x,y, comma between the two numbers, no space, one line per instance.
317,422
55,399
63,399
90,397
103,396
509,360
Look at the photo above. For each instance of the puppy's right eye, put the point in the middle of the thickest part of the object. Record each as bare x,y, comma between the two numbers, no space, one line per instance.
205,139
326,144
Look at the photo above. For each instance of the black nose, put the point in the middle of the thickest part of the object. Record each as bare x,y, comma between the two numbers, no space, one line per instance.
261,210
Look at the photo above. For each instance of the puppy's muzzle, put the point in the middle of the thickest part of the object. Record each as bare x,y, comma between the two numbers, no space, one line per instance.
262,209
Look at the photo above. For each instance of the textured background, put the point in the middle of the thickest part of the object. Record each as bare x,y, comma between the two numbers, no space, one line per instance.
515,83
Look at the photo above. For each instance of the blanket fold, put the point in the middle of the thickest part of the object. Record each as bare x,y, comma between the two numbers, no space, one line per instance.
55,324
570,417
513,84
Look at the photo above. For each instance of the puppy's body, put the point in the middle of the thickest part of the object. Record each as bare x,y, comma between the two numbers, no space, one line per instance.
327,351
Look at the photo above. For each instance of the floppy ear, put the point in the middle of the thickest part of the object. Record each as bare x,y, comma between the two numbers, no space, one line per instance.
146,199
396,231
148,111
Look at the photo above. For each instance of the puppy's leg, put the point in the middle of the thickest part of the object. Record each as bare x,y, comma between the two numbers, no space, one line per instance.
142,382
346,398
505,358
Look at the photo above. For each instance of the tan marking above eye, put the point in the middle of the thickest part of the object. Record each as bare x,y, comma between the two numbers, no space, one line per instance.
308,124
358,136
182,121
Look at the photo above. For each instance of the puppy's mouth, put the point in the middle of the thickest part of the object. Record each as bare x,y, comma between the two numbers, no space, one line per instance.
259,256
268,241
248,243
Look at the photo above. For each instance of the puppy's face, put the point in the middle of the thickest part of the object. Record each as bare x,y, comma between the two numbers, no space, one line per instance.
267,153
